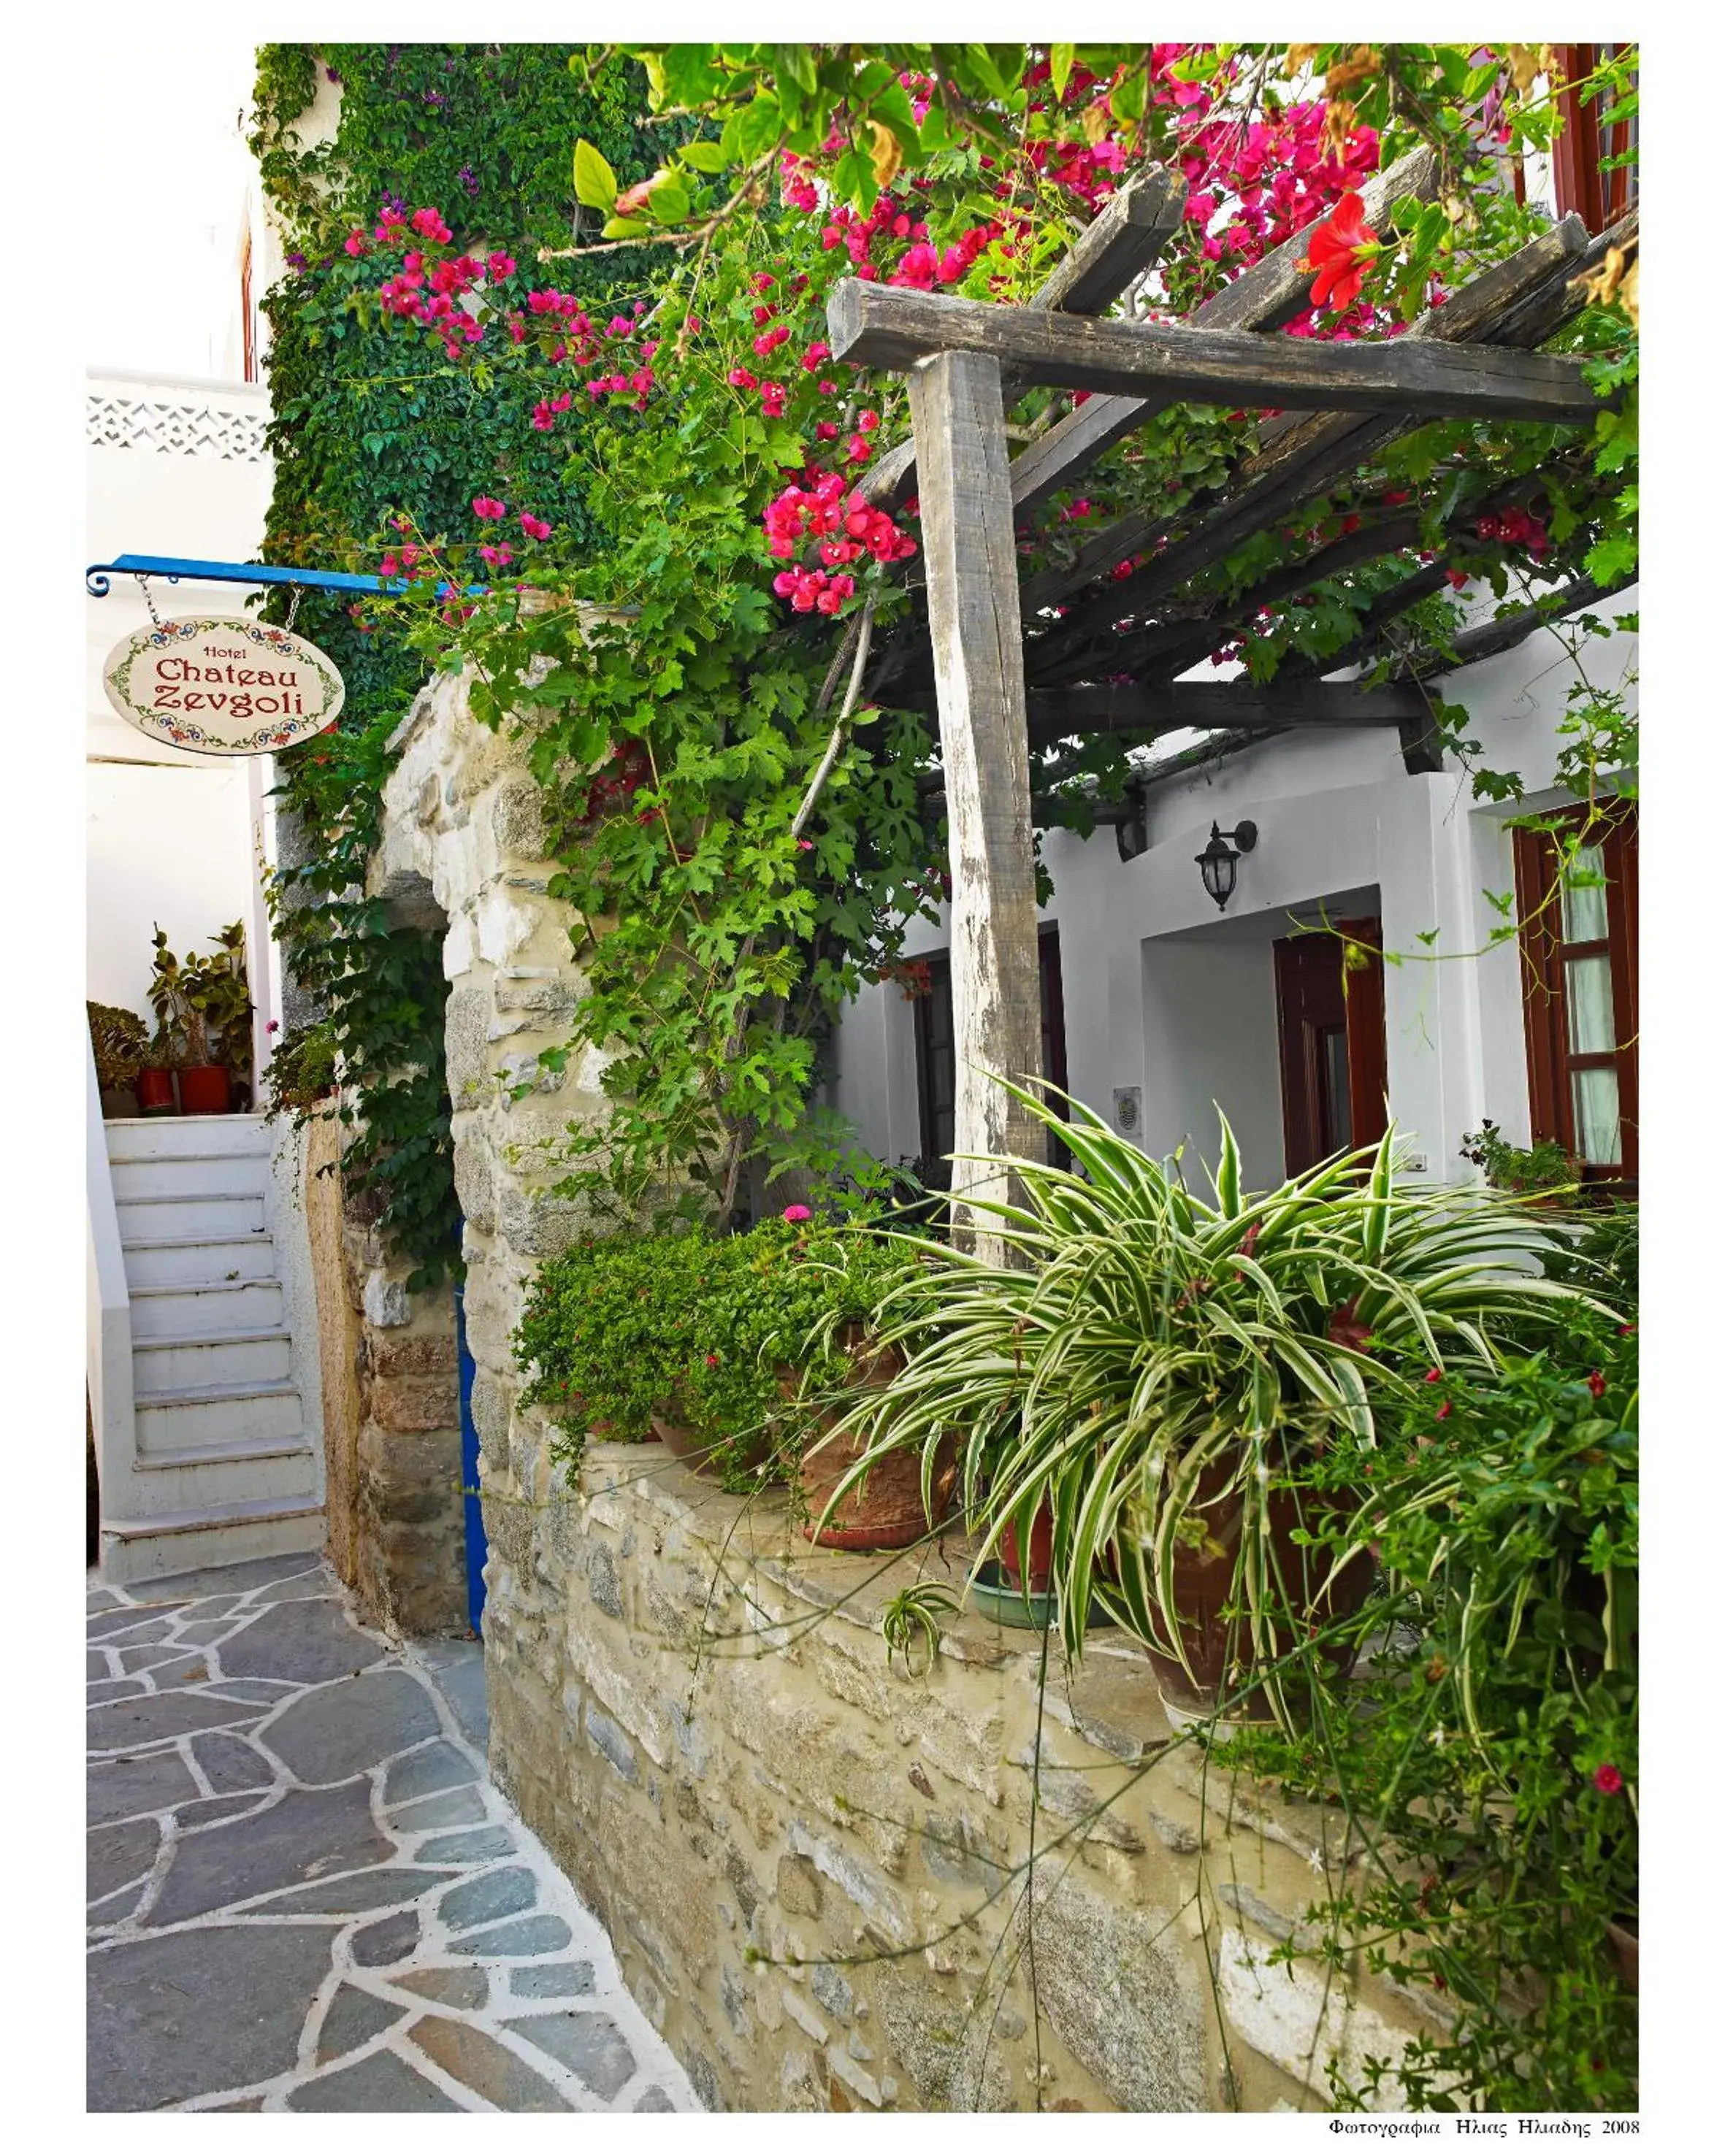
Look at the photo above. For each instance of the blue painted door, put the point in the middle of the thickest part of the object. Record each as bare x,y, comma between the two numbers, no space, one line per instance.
474,1517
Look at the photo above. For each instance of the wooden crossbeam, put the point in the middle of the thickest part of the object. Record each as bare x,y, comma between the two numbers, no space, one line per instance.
1307,458
883,325
1172,646
1119,244
1089,708
1489,638
1265,297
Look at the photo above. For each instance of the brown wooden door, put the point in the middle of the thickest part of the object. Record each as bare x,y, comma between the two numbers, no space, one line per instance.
1330,1019
936,1069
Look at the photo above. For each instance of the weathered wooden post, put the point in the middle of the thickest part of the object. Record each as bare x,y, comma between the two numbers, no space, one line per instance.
974,626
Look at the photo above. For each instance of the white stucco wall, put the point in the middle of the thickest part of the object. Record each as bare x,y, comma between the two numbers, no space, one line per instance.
1163,993
174,466
172,846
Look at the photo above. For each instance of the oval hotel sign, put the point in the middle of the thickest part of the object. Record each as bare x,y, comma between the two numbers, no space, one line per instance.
222,686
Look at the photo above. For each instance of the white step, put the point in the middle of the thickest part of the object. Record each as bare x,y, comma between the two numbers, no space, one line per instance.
267,1470
190,1175
169,1363
198,1261
213,1213
171,1420
208,1535
160,1138
203,1313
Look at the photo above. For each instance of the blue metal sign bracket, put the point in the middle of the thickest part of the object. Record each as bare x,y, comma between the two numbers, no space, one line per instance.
170,568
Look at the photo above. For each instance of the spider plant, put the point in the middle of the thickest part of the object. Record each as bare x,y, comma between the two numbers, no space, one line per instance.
1147,1359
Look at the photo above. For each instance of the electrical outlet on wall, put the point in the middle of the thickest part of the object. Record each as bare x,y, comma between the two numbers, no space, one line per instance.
1416,1164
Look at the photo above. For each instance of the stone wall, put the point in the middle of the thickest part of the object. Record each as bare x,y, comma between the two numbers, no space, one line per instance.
463,849
392,1424
812,1865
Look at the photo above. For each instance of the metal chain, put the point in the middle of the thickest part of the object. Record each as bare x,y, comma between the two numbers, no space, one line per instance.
144,587
293,605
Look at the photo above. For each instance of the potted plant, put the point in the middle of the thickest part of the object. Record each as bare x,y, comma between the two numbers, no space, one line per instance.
120,1042
203,1007
792,1345
1154,1368
608,1336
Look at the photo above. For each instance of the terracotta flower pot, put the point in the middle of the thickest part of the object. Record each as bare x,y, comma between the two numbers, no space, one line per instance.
1204,1585
1626,1940
696,1451
206,1089
156,1091
885,1509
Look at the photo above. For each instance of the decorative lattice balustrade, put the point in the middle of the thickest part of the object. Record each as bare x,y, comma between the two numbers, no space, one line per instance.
192,427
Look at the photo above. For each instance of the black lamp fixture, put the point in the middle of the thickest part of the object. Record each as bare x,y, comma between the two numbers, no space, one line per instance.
1215,864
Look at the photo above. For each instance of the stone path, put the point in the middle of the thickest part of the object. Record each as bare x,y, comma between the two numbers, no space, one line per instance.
306,1895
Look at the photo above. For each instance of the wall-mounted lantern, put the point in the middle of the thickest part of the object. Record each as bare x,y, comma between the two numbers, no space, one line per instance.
1217,862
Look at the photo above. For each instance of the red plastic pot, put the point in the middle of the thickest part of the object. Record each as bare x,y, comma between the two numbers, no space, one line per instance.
155,1091
206,1089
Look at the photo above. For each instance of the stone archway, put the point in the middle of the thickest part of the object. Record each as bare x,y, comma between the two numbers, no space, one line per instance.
462,833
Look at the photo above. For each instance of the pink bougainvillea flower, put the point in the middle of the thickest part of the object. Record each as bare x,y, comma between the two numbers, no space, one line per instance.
795,1213
499,265
1341,249
1607,1780
535,527
487,505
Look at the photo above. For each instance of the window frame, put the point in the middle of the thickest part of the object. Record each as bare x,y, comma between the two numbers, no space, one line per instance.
1545,956
1578,178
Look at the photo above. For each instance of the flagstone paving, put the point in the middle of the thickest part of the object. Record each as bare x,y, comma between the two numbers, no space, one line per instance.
305,1893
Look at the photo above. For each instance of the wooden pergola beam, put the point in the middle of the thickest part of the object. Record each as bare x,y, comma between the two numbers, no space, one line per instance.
884,326
1119,243
1265,297
1088,708
1489,638
1305,457
1172,646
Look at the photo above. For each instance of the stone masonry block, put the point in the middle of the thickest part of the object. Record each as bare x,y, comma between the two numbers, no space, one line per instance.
416,1403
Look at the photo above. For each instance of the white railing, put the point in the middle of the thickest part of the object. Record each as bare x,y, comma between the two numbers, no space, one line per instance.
108,1311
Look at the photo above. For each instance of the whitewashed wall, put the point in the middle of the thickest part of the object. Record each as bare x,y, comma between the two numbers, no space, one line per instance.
1164,993
173,466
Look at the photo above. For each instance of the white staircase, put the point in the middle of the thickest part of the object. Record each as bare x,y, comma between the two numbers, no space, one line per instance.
221,1466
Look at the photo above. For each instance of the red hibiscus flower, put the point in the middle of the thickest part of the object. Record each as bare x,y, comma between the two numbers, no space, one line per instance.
1341,250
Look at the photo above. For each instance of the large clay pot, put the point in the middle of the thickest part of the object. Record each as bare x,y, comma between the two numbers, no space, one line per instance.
885,1509
696,1452
1204,1584
156,1091
206,1089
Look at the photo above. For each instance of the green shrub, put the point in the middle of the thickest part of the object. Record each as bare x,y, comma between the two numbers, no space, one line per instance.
702,1330
1486,1748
